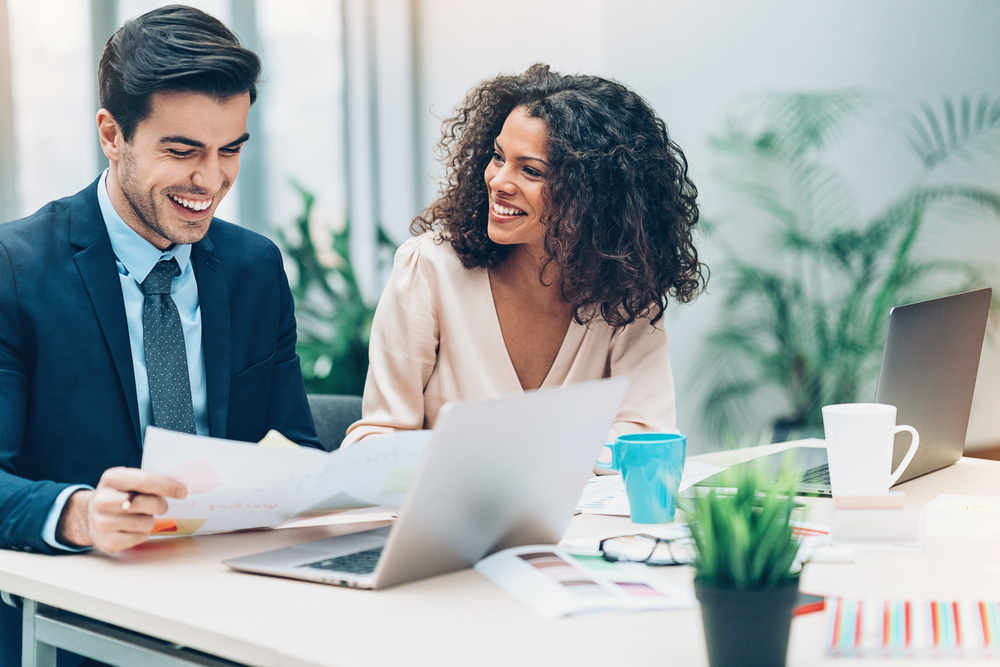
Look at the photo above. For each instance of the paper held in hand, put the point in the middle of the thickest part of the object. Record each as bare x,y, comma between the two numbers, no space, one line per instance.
237,485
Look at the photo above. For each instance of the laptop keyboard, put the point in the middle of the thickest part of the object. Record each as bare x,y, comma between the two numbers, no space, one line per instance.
818,475
359,562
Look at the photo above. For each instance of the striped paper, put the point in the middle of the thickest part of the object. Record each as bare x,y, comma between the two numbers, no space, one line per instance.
907,628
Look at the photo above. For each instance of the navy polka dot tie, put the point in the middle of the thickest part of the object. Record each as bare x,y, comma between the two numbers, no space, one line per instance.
166,356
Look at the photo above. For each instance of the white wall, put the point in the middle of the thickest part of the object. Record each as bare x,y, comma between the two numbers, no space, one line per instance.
693,60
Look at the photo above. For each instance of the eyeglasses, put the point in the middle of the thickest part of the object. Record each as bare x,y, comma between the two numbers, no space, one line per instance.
648,549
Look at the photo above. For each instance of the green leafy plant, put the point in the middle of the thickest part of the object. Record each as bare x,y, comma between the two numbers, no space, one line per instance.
743,535
805,314
333,318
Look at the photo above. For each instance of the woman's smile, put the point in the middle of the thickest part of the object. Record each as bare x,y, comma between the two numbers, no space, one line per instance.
504,212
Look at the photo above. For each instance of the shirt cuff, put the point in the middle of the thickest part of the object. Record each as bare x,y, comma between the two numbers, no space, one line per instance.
49,529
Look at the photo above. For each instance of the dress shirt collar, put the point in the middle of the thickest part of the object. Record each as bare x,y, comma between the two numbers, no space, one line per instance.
135,253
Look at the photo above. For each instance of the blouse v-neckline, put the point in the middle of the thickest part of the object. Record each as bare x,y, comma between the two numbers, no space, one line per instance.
502,344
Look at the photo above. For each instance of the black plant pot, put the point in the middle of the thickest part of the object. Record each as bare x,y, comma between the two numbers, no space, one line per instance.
747,628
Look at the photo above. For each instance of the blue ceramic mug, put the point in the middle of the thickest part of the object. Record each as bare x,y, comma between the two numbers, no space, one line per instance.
651,465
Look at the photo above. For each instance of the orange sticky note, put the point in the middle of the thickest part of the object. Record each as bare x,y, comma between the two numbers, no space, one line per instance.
164,526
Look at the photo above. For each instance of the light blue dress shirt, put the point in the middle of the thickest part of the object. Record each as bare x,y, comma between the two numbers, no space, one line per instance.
136,257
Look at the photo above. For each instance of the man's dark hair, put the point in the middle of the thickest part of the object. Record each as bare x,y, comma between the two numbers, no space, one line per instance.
172,48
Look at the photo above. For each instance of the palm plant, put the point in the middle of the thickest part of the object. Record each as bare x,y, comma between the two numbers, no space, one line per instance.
333,318
806,315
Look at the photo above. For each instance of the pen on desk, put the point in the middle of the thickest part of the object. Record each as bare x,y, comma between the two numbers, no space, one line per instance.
127,503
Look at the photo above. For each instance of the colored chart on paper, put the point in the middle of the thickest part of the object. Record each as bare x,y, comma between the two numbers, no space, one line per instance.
555,582
176,527
909,629
563,573
628,580
575,581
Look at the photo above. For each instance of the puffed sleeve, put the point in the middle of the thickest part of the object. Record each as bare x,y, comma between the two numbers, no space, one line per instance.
403,349
639,351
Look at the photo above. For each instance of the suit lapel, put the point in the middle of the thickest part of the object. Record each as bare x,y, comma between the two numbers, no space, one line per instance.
216,334
96,264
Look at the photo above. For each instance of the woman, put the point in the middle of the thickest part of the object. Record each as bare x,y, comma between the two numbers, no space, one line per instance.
564,224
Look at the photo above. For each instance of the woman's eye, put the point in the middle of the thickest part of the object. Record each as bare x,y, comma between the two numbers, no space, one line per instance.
534,173
497,156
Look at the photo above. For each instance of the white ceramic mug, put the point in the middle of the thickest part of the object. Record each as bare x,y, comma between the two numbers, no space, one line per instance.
859,439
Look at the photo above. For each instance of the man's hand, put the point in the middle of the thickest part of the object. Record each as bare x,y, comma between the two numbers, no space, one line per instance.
118,514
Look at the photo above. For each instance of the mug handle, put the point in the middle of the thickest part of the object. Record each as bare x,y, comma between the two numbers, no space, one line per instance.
915,442
610,446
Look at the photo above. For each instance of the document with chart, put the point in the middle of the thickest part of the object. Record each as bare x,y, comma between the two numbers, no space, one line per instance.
237,485
556,582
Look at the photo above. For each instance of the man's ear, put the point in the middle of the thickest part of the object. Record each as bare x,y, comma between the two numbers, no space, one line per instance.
110,135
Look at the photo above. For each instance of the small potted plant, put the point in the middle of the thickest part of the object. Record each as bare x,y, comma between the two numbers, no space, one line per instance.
746,576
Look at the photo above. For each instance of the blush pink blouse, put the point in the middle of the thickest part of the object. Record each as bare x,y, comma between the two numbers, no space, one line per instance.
436,338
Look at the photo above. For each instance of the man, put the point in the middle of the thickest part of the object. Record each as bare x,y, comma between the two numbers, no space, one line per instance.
128,305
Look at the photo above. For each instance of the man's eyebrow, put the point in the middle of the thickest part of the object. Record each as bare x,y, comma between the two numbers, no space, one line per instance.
178,139
520,158
187,141
242,140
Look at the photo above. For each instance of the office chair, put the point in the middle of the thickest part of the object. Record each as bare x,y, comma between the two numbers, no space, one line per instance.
332,415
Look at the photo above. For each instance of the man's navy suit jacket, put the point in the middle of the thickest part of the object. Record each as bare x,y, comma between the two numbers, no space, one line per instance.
68,408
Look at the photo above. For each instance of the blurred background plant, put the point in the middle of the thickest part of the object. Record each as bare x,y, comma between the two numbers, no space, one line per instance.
805,313
333,318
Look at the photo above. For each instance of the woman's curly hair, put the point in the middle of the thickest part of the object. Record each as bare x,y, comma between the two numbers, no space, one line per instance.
620,208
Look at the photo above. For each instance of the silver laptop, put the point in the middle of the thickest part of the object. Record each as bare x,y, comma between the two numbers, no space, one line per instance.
929,366
497,473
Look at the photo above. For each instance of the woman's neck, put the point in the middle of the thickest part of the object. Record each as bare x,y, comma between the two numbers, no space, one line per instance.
521,270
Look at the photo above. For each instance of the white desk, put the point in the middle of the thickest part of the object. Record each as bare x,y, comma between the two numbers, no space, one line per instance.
178,591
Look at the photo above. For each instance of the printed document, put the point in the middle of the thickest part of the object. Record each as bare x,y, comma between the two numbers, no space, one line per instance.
555,582
237,485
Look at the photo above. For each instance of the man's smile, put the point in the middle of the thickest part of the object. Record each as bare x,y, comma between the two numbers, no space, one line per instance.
192,204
